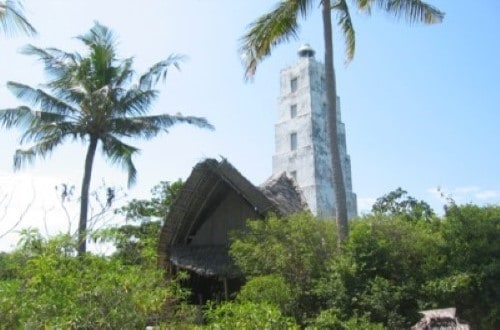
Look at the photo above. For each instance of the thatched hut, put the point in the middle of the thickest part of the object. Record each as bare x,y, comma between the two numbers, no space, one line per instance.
215,200
440,319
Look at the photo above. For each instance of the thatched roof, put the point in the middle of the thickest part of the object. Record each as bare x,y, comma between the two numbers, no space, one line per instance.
204,260
441,319
284,193
209,183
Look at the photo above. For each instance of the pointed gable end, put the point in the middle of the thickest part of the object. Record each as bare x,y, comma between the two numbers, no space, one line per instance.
215,200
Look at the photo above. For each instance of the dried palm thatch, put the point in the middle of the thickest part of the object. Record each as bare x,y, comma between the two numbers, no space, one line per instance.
440,319
208,261
284,193
207,186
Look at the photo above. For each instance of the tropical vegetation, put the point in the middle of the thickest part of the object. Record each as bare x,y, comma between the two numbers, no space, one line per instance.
391,267
399,259
96,98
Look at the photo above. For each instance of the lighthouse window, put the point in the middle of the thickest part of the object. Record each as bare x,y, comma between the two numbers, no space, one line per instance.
293,85
293,111
293,141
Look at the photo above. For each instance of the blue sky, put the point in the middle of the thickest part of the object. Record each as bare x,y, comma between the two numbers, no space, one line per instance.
420,103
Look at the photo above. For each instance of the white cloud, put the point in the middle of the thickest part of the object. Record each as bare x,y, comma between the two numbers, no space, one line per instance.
466,194
466,190
365,204
488,195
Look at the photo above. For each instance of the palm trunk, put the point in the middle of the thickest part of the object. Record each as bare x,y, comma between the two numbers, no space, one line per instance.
331,94
84,197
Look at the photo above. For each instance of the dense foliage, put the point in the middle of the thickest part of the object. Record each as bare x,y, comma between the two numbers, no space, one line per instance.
48,286
391,267
43,284
295,248
144,220
398,203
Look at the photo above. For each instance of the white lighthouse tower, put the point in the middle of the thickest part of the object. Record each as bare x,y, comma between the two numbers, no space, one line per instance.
302,146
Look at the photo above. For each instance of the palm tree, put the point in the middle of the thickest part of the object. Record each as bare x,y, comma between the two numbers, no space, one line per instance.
90,98
281,24
12,19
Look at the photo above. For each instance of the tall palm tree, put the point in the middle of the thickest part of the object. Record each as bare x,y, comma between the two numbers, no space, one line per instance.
90,98
281,24
12,19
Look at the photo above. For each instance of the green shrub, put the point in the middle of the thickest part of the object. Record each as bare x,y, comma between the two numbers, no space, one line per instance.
329,320
270,289
247,315
56,289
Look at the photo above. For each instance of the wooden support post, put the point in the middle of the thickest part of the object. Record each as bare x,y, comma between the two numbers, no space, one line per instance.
226,291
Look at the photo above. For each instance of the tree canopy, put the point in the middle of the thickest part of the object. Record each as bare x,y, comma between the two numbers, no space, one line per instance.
390,268
96,98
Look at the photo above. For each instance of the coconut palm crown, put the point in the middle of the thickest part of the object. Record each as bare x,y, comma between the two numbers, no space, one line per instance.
12,19
281,25
97,99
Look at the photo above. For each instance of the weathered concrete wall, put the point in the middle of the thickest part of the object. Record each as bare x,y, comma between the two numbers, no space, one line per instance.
310,162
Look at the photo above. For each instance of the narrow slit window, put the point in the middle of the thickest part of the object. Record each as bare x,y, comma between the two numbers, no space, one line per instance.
293,111
293,85
293,141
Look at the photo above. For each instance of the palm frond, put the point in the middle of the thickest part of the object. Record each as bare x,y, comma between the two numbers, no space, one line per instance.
71,94
304,7
121,154
12,19
413,11
159,71
62,67
42,129
97,70
21,117
51,54
56,62
38,97
278,26
166,121
364,6
149,126
135,102
124,73
99,35
345,23
41,149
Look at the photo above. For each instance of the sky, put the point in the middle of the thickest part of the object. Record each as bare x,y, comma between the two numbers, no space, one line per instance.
420,103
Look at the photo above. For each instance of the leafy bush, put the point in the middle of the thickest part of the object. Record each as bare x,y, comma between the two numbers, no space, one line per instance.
270,289
329,319
56,289
295,248
471,281
387,271
247,315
